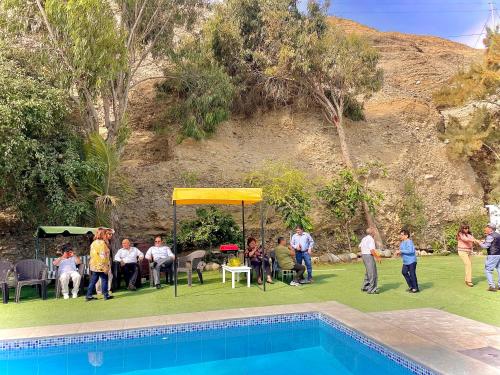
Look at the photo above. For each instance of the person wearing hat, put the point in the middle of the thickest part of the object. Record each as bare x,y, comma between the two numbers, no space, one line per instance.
492,244
67,264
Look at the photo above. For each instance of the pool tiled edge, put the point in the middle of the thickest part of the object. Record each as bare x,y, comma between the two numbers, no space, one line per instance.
403,347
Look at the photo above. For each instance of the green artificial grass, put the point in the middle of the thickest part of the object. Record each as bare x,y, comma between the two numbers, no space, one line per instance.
440,279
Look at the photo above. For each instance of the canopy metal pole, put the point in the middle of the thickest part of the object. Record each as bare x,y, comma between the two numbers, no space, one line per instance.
175,248
264,276
243,222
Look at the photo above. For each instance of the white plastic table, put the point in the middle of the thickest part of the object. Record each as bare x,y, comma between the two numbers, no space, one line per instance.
237,271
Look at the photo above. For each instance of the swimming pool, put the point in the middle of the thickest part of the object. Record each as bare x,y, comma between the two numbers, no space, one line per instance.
303,343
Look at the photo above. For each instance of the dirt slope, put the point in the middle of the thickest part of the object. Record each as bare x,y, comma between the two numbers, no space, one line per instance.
400,130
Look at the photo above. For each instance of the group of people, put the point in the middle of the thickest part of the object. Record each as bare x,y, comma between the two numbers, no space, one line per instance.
288,258
160,258
295,257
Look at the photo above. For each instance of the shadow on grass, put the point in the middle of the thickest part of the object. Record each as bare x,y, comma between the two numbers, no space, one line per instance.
390,286
424,286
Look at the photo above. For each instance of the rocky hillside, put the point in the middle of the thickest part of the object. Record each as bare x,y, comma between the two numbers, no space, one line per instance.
400,131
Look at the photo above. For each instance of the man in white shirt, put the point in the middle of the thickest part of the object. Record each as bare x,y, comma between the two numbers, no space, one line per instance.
368,253
161,257
128,256
67,270
302,243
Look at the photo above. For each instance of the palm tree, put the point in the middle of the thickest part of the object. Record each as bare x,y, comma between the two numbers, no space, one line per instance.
105,186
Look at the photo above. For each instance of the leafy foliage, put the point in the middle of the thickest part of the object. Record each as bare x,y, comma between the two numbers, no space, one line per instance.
286,189
212,227
344,196
205,92
41,159
466,139
412,210
104,186
480,81
476,221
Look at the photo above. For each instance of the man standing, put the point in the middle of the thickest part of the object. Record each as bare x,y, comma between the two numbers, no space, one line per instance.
160,256
303,243
492,244
128,257
286,261
67,270
369,254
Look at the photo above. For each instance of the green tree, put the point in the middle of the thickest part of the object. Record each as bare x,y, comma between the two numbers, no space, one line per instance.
97,47
212,227
104,186
412,210
204,90
41,156
477,83
284,54
344,197
286,189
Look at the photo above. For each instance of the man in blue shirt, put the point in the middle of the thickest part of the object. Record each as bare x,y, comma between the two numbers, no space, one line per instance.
303,243
409,256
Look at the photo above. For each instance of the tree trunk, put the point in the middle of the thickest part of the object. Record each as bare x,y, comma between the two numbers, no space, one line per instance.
337,121
115,224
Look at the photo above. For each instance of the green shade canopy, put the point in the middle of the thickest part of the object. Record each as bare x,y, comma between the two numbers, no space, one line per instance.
47,232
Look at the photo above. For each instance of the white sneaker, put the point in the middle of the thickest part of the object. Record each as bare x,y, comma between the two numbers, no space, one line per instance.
293,283
75,295
66,295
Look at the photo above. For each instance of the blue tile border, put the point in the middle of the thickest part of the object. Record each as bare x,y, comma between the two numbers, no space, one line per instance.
61,341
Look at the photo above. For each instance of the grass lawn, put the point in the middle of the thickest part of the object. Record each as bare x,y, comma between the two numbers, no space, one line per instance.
440,279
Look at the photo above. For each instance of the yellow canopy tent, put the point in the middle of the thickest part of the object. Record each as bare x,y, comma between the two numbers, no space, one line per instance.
229,196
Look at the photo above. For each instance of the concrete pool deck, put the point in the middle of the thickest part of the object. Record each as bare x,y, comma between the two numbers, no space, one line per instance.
445,343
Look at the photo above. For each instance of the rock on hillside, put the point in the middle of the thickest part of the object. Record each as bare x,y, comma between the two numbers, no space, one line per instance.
400,131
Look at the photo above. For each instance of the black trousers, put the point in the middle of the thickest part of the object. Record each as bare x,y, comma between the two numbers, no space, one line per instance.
300,269
130,272
409,272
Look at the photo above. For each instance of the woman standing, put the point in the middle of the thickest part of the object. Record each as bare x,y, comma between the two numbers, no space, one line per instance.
465,240
256,256
409,255
100,262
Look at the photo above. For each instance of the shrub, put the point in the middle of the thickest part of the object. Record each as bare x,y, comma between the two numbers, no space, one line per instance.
205,94
286,189
344,196
412,210
476,221
212,227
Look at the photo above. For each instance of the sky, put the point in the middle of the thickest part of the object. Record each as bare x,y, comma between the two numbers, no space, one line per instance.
451,19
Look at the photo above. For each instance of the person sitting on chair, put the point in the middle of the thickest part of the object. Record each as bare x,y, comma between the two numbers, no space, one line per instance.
257,260
160,256
286,261
67,264
128,256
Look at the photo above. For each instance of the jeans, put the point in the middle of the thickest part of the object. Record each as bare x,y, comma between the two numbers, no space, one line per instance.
492,263
409,271
104,283
371,277
304,255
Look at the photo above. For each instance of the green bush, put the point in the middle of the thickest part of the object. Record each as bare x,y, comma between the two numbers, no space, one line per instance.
212,227
205,94
286,189
41,155
476,221
412,211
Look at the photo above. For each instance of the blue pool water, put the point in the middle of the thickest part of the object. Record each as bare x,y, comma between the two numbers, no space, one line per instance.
294,347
